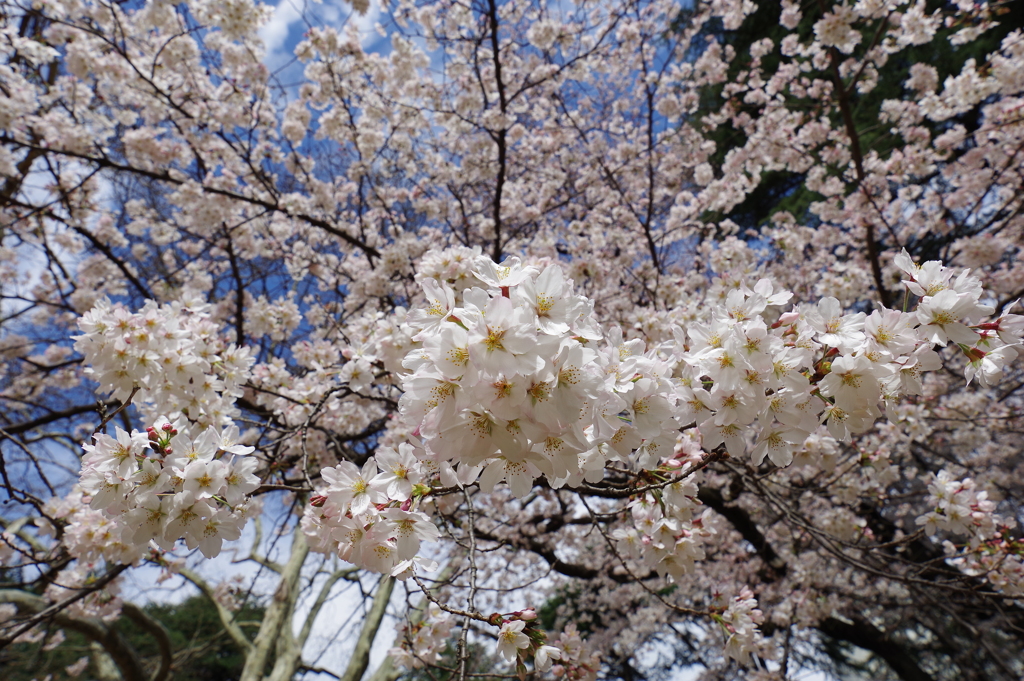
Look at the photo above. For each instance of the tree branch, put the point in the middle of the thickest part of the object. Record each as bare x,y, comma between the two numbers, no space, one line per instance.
158,632
227,619
55,609
93,629
325,591
858,164
499,136
864,635
56,416
278,614
361,654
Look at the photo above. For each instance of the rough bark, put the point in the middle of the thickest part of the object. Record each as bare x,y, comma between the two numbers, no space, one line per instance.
360,659
277,619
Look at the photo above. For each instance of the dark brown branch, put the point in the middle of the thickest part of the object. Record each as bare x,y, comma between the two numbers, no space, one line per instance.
747,528
858,164
159,634
56,416
55,610
239,293
500,135
864,635
544,551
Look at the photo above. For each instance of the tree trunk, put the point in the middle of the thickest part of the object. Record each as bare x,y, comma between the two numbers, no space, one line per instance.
277,620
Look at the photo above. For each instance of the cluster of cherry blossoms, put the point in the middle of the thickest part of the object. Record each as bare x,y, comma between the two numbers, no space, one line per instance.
947,299
425,641
519,639
992,550
740,618
668,532
575,660
366,515
89,534
511,378
958,507
173,357
818,365
999,561
187,479
167,484
510,382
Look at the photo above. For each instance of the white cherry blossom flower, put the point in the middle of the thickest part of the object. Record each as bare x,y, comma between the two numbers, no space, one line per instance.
240,480
509,273
350,485
544,655
378,548
205,479
940,317
548,296
511,640
778,442
835,329
853,382
399,471
220,527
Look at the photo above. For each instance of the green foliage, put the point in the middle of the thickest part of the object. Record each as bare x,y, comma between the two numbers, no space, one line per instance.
25,661
202,650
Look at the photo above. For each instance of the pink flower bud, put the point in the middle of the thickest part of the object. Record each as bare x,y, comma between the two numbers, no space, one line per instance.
788,318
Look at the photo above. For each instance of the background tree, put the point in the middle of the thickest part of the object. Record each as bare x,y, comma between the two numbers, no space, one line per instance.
785,191
200,647
333,327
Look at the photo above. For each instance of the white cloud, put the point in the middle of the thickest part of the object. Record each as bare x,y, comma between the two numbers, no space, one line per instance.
275,32
287,24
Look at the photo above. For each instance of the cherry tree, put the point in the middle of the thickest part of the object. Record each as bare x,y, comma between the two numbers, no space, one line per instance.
495,317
